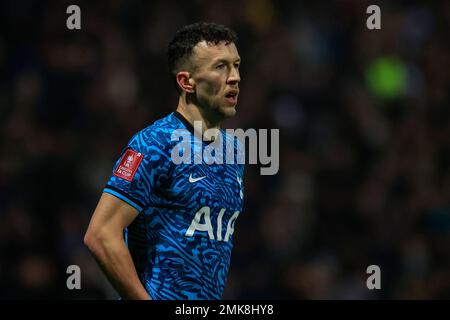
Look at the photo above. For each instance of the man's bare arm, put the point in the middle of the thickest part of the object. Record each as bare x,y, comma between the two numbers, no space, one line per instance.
104,238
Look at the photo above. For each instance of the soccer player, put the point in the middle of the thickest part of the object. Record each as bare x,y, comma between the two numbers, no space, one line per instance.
163,230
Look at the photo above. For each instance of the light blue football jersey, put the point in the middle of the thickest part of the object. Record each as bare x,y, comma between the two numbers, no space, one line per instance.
182,238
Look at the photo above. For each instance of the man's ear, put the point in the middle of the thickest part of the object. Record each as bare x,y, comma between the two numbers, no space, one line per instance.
185,81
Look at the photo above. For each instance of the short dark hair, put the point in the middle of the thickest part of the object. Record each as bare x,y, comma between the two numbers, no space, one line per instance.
185,39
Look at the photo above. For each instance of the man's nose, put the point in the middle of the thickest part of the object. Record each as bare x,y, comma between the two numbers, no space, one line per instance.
234,76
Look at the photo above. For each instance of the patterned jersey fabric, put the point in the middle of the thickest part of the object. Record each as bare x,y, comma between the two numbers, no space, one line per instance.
181,240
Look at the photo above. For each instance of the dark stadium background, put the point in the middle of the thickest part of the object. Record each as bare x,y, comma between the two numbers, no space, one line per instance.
364,151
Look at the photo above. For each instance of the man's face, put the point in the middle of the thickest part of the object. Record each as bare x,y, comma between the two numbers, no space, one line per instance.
216,77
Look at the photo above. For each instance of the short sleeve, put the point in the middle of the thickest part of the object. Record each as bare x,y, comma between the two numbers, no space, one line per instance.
136,172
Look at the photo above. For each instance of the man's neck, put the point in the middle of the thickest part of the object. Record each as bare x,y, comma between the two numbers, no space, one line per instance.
193,113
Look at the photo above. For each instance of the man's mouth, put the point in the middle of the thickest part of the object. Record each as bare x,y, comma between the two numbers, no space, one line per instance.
232,96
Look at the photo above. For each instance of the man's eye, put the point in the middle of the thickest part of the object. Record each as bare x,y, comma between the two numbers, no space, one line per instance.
237,65
220,66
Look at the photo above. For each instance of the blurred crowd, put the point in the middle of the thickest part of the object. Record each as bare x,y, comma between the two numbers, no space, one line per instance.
364,140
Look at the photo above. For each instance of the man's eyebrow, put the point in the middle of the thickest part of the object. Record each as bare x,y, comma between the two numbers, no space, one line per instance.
221,60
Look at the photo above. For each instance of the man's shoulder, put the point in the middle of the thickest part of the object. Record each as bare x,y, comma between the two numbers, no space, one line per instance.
160,130
158,134
235,139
